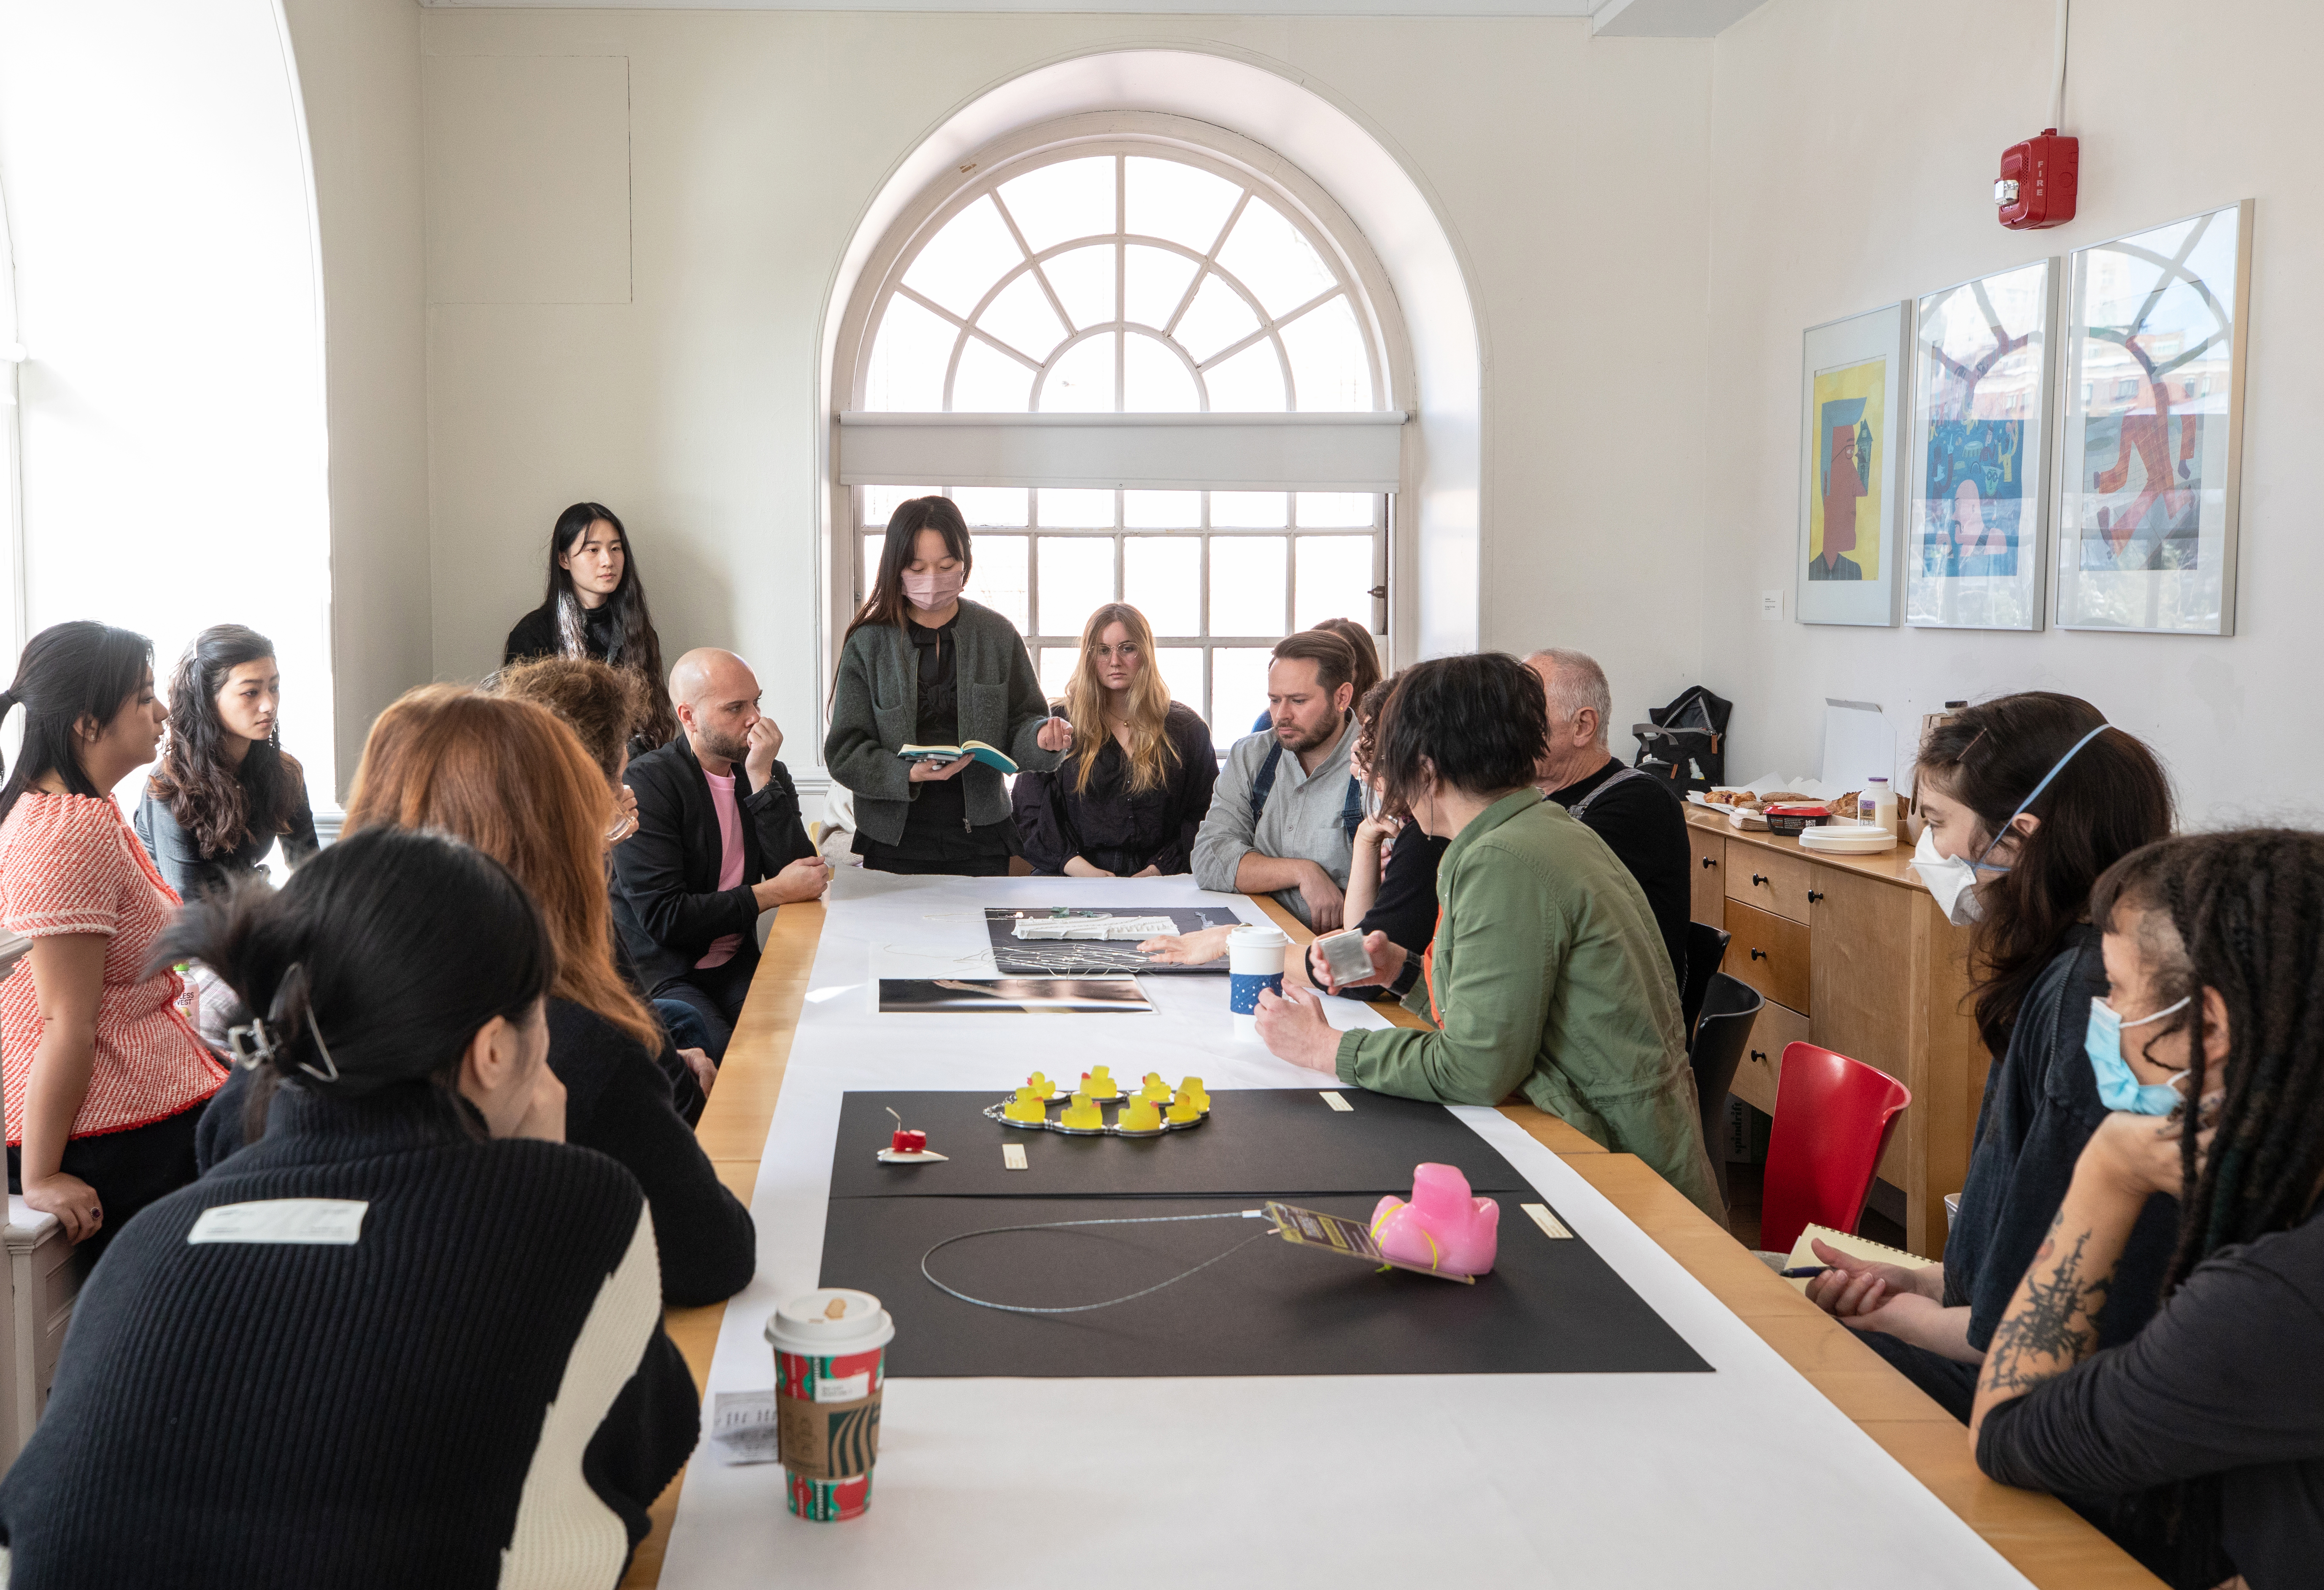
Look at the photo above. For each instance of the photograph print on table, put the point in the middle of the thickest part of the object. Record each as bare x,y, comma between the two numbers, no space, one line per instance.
1852,401
2152,446
1979,445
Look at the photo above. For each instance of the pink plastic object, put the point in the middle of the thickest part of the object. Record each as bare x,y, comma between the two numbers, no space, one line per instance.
1444,1228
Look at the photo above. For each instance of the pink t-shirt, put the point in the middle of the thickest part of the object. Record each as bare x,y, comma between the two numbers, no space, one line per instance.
730,861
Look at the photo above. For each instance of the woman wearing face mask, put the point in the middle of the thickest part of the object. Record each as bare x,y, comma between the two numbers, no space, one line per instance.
225,791
921,665
2199,1442
1129,797
2028,798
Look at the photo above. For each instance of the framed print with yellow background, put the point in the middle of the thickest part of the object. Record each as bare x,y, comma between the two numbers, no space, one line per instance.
1980,452
1853,398
2151,453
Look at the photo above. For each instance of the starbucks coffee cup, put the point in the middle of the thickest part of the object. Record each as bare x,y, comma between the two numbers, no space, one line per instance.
830,1356
1254,965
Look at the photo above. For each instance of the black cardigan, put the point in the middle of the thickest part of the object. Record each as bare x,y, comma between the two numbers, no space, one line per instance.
616,1101
536,635
1110,827
476,1389
666,902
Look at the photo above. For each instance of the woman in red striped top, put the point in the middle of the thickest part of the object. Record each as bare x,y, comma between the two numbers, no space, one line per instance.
103,1077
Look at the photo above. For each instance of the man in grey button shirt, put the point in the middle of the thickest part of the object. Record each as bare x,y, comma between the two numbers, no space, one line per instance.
1285,811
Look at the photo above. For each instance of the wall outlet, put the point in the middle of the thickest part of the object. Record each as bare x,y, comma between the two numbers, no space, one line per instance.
1771,606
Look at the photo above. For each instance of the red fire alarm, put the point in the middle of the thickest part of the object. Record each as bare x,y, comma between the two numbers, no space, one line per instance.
2038,182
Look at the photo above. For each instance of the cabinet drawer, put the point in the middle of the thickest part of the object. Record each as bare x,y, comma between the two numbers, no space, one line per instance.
1763,1056
1707,878
1768,952
1774,881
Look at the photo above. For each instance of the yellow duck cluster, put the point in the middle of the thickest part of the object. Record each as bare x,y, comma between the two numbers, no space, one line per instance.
1155,1107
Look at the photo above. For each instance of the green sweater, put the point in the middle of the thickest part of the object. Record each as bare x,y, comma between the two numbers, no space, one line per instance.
1550,980
875,712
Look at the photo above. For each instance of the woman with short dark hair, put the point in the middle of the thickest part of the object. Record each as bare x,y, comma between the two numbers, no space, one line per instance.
596,609
2199,1441
225,791
1546,974
407,1337
105,1077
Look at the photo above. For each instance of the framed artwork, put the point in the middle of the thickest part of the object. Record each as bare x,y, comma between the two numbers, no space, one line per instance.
1973,524
1852,403
2151,451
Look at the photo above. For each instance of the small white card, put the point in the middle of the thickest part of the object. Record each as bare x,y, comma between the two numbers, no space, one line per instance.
1551,1225
1013,1156
319,1221
742,1424
1338,1103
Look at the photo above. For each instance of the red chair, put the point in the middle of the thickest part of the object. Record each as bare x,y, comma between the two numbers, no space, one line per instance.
1833,1116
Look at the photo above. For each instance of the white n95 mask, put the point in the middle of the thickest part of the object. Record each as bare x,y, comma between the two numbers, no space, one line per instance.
1953,880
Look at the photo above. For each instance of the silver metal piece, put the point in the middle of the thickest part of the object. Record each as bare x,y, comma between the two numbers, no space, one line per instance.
2004,191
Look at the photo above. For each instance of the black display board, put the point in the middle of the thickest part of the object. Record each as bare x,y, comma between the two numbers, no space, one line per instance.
1548,1306
1280,1143
1070,958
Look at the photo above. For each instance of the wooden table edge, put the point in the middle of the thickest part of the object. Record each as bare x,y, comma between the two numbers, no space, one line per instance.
2043,1539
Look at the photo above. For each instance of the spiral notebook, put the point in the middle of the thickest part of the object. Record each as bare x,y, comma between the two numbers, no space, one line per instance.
1859,1247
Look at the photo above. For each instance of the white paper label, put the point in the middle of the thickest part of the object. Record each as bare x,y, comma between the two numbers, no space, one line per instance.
845,1388
1013,1156
321,1222
1337,1103
1550,1224
742,1424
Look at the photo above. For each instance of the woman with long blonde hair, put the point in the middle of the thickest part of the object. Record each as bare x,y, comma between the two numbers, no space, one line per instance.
1132,790
510,780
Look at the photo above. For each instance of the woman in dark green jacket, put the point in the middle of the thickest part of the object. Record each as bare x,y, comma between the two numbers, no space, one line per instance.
920,666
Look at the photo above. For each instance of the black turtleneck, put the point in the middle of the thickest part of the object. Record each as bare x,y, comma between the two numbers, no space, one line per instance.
473,1387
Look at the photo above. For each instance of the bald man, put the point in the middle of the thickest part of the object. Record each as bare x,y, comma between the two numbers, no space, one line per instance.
719,840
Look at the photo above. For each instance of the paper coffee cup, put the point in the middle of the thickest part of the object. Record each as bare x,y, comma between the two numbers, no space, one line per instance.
1254,965
830,1371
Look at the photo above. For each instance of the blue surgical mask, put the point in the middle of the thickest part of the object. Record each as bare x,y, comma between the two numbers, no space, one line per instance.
1953,880
2119,1088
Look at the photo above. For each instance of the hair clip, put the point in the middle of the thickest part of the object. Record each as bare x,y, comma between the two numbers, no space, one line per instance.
252,1045
322,1049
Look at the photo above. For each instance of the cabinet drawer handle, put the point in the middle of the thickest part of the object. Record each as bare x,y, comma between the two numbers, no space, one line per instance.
1758,955
1759,1055
1709,861
1757,879
1814,895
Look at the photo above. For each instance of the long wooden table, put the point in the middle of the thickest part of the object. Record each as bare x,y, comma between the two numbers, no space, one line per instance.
2037,1534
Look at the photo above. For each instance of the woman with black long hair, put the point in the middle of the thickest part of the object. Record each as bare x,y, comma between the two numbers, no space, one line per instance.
922,665
2029,798
105,1077
2199,1442
596,609
411,1336
225,791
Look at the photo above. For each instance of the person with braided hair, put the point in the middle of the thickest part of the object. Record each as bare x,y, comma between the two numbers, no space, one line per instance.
2029,798
2199,1443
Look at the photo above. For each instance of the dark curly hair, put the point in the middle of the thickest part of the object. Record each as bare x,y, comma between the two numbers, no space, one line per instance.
219,804
1474,723
604,705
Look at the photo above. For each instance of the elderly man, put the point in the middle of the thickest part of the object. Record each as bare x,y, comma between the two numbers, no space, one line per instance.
718,841
1635,813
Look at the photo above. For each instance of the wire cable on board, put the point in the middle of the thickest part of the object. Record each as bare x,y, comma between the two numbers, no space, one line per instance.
1064,1225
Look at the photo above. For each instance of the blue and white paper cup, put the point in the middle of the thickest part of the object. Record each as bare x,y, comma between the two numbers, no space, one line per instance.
1254,963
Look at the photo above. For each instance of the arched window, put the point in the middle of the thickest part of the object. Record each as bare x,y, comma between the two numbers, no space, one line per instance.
1148,369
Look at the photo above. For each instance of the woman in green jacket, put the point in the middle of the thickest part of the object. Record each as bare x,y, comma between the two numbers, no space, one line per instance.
920,666
1547,976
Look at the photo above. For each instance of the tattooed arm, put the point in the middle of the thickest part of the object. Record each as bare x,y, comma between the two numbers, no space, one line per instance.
2052,1323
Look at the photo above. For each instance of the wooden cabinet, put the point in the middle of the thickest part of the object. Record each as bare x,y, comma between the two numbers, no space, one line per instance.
1852,954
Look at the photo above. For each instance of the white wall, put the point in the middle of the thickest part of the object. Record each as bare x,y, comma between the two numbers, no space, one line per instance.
358,64
154,162
1853,156
754,141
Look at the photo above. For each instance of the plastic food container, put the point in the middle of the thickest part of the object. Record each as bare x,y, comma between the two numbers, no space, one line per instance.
1792,821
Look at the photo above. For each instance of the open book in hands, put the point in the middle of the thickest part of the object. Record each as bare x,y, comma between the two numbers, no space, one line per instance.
984,753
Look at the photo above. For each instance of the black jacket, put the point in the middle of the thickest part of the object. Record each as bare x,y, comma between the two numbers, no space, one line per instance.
1110,827
667,903
616,1101
364,1413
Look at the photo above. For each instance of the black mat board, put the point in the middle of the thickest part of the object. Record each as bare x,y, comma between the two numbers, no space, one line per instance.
1547,1307
1042,957
1279,1143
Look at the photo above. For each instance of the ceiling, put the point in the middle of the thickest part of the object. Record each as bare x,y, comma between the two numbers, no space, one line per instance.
1659,19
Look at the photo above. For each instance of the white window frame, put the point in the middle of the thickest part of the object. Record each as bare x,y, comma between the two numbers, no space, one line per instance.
1363,451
